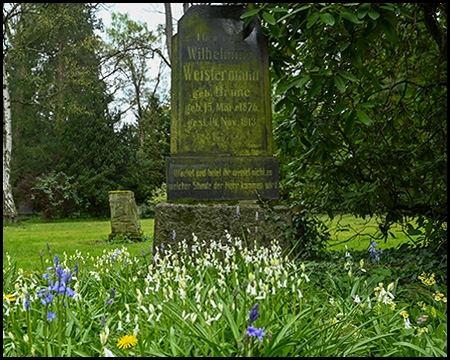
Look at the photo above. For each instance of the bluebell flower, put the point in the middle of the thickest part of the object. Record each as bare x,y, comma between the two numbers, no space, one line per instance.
112,259
66,277
41,254
254,313
70,292
174,235
109,302
143,252
56,259
27,302
259,333
50,316
374,253
76,267
46,297
162,248
59,271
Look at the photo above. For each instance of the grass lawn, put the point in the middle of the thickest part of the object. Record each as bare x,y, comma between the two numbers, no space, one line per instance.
357,233
24,241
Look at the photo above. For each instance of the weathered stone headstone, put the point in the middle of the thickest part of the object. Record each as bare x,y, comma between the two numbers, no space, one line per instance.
124,215
221,133
221,130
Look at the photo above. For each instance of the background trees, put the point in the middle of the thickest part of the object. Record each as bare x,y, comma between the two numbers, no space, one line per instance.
361,107
63,123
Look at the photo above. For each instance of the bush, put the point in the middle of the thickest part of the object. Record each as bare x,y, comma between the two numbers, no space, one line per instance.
55,194
159,195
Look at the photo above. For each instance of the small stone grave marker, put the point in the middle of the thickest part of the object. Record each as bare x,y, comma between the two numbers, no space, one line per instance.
124,215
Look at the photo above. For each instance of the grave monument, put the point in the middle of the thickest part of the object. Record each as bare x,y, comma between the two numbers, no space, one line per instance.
221,131
124,215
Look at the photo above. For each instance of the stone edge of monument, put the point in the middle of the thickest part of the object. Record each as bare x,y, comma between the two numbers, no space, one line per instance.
209,220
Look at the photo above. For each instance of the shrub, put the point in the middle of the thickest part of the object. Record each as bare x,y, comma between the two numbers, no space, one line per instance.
55,194
159,195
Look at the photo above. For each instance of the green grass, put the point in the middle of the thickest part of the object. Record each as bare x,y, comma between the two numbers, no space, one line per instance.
356,234
24,241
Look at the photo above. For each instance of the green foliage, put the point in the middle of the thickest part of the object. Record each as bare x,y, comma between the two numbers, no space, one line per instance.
309,234
56,193
158,195
360,117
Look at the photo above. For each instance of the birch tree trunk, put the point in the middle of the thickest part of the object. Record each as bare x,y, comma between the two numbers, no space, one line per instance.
9,209
169,29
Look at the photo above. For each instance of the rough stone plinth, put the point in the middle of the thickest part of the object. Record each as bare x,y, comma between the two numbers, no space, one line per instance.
175,222
124,215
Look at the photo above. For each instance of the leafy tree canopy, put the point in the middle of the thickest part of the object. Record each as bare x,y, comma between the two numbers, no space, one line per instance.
360,116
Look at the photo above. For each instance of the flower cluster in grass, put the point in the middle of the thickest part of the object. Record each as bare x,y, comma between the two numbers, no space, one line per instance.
211,299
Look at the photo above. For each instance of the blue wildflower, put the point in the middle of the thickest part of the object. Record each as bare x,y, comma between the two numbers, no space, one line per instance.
50,316
46,297
27,302
259,333
254,313
374,253
59,271
56,259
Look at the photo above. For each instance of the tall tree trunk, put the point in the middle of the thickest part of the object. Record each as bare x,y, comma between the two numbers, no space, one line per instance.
9,209
169,29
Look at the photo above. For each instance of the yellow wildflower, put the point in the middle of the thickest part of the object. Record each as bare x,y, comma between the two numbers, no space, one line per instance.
439,297
427,280
127,341
9,297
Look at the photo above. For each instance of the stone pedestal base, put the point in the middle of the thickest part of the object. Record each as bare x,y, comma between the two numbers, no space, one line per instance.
175,222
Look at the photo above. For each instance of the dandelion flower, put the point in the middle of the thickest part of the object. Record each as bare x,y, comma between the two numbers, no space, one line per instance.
9,297
127,341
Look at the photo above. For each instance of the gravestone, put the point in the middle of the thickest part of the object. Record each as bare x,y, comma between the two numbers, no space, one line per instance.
124,215
221,147
221,131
